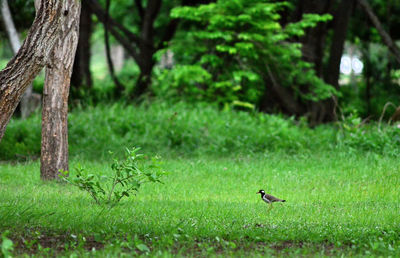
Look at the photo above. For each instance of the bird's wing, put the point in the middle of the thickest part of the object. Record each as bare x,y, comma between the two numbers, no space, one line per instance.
272,198
265,199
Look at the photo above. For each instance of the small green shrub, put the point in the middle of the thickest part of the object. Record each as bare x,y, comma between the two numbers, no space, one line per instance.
128,176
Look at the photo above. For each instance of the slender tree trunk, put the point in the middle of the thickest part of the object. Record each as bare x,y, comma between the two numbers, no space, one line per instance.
119,88
30,59
54,152
25,106
147,48
81,75
144,80
10,27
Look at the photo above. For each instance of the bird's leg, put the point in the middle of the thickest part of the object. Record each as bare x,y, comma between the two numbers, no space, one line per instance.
270,206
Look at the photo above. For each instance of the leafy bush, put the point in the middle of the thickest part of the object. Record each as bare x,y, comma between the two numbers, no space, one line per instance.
238,50
126,180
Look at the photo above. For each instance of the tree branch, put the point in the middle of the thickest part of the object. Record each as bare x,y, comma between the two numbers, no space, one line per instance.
125,39
101,15
30,59
378,25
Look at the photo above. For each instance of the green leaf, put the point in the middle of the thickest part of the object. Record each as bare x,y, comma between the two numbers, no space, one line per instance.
142,248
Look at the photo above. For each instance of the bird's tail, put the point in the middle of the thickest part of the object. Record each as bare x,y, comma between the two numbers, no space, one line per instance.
283,201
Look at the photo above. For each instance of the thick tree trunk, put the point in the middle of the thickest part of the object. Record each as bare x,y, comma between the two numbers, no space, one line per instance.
31,58
54,152
81,75
26,106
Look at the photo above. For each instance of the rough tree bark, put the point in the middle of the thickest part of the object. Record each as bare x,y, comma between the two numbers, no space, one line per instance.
30,59
54,151
26,106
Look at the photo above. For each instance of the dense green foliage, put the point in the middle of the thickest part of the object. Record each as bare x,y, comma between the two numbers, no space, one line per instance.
230,57
232,53
192,130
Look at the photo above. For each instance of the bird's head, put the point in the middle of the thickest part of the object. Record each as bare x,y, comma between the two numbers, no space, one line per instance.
261,192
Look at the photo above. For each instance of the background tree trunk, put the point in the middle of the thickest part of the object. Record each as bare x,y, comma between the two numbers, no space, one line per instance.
30,59
81,75
54,151
313,48
26,106
341,22
119,88
314,41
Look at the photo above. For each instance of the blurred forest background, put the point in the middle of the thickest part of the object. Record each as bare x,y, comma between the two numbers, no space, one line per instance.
314,62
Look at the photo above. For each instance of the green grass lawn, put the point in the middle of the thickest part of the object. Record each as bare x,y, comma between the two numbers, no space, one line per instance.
337,203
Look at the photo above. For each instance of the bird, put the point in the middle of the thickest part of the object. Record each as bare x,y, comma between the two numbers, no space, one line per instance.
269,198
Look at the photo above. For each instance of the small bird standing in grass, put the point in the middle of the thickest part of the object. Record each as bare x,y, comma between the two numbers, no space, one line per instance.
269,198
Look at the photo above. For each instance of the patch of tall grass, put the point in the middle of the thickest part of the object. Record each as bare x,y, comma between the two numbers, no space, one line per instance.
198,129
